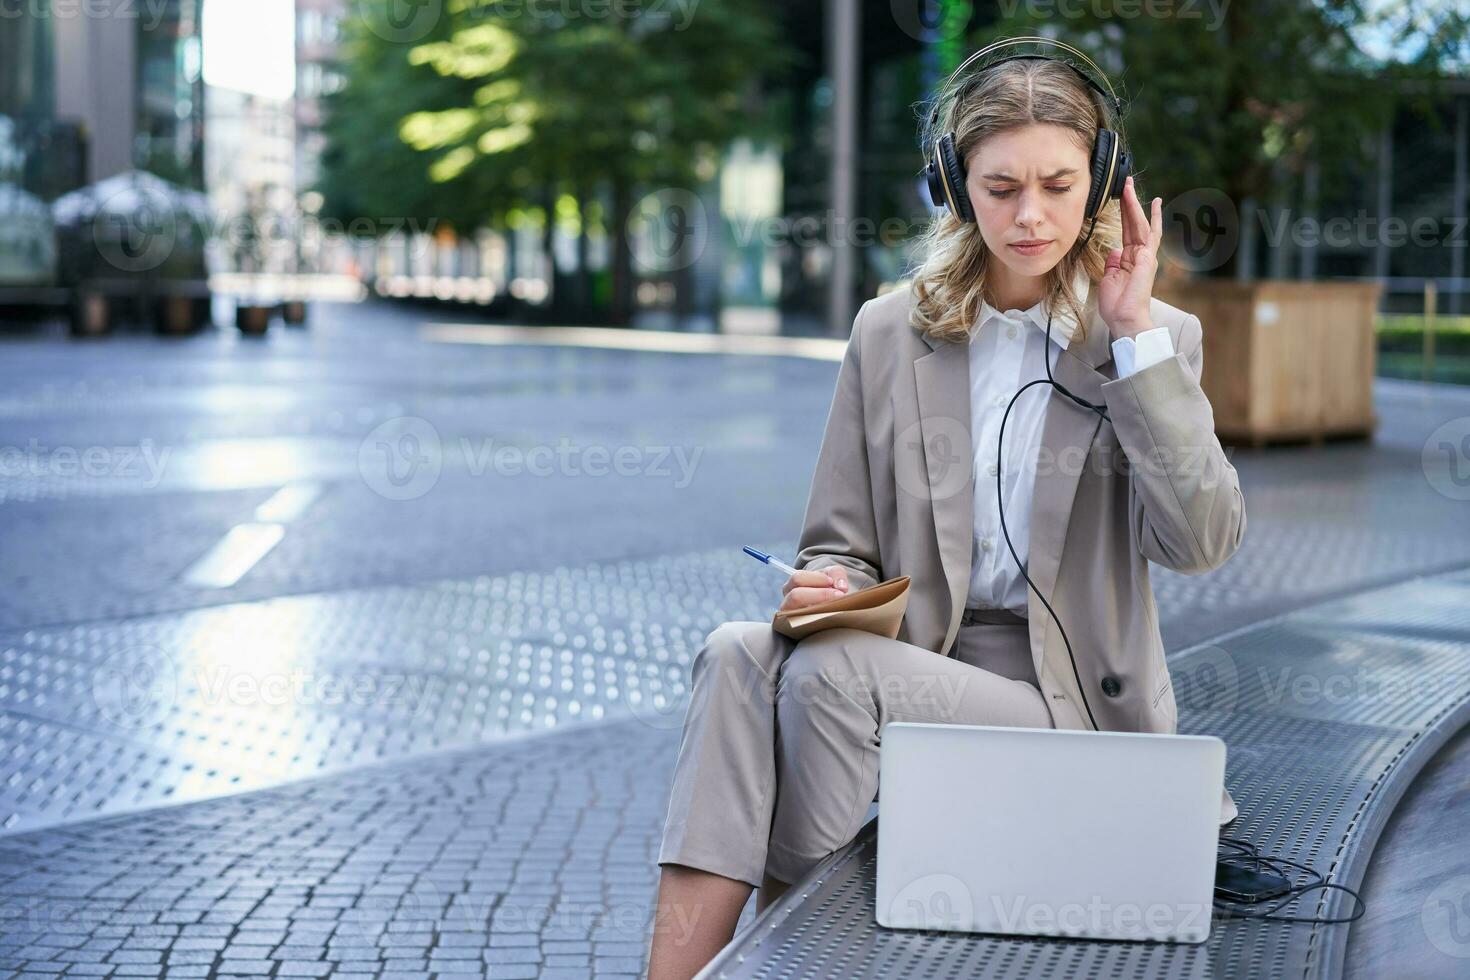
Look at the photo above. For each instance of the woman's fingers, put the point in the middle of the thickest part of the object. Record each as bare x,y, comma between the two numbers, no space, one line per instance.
1135,228
821,578
809,587
803,596
1126,212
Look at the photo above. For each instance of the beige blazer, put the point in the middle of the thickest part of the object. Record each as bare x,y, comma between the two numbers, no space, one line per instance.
892,494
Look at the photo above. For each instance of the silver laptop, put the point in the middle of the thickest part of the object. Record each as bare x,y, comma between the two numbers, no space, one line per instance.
1044,832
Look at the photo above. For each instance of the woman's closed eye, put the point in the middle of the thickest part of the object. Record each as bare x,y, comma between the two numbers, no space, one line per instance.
1008,193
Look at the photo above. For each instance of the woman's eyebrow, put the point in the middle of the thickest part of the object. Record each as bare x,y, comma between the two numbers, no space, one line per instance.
1065,171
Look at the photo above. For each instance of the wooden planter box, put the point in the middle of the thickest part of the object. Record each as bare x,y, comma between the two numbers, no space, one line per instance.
1285,360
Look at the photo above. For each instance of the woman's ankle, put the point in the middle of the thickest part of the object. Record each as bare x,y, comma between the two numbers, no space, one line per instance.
694,918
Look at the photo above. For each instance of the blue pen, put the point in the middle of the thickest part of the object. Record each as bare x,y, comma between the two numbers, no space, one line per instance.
770,560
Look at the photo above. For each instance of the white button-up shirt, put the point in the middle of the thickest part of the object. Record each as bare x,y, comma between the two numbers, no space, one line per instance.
1005,353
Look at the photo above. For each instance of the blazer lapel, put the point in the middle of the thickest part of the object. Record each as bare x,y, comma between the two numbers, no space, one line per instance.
942,379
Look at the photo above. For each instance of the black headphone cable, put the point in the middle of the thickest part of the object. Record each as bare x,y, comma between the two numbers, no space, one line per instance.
999,472
1229,908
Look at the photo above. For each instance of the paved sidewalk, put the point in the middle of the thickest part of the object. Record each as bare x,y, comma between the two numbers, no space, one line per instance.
431,830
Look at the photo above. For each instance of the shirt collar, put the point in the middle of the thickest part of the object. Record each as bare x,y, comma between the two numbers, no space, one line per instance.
1063,322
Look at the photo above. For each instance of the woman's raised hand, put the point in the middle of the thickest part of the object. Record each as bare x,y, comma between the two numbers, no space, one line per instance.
809,587
1128,279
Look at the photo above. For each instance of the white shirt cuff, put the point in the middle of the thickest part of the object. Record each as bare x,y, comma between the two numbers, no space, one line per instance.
1151,347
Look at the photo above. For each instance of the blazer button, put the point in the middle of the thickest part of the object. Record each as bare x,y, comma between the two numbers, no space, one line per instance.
1110,686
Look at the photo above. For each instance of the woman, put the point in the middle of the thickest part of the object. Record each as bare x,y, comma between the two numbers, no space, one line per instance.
778,762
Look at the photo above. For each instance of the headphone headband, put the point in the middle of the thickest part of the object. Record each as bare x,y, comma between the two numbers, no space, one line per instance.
1105,89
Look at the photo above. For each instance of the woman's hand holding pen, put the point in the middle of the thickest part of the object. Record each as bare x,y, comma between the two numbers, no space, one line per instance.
807,588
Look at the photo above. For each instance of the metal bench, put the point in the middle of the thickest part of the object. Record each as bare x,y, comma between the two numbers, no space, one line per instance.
1327,714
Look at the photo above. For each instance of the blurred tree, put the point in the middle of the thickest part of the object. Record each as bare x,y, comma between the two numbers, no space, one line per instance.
508,105
1240,96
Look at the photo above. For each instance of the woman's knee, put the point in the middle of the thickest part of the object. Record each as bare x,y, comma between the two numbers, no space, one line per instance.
821,671
734,651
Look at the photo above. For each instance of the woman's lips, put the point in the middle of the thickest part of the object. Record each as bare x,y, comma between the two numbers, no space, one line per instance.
1032,249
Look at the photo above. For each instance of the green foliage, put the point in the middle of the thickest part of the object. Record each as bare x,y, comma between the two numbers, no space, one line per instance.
1237,94
504,101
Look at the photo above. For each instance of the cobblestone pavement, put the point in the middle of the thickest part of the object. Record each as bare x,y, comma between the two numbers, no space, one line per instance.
350,717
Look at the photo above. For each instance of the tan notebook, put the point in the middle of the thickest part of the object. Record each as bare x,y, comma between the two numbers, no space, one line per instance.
878,609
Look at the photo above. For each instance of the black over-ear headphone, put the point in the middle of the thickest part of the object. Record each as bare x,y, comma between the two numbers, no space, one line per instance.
1111,162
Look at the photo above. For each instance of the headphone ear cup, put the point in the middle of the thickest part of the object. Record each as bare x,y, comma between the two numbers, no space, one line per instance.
1120,177
953,175
1104,173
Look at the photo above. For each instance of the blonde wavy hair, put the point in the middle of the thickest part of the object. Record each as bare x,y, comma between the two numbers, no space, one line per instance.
952,271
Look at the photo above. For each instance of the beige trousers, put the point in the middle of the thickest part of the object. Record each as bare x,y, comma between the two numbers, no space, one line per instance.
778,762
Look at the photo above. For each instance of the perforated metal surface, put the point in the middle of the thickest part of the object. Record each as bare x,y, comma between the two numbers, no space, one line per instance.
162,709
1315,767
